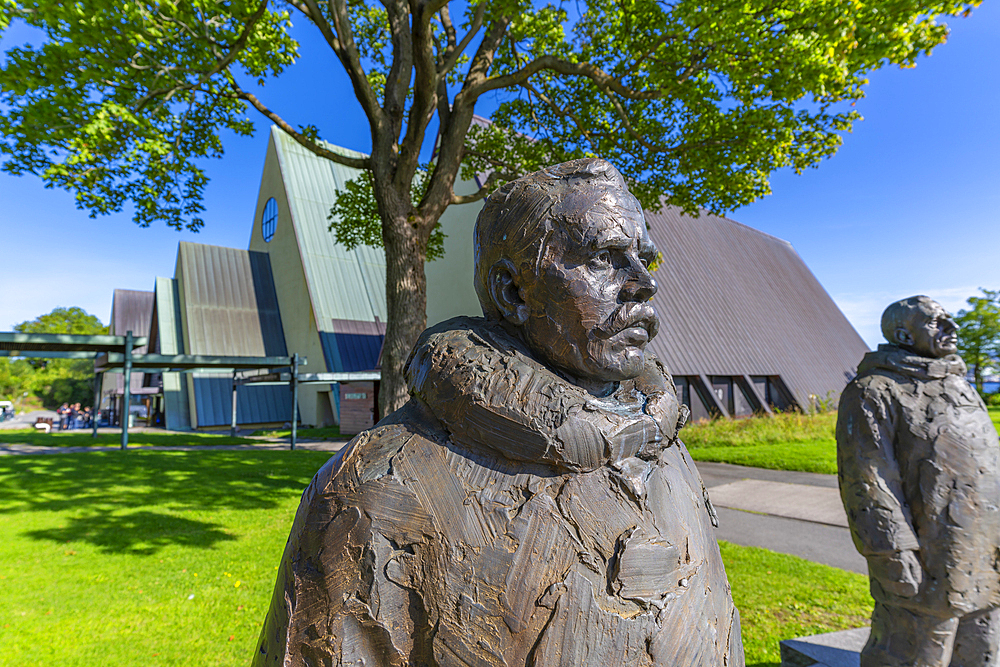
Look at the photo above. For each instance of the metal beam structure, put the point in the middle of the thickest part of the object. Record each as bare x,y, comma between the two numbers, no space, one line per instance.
750,390
311,378
75,346
114,354
127,390
114,362
180,363
12,341
295,399
706,391
34,354
329,378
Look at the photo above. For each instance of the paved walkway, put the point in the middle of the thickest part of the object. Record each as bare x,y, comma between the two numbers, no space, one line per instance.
796,513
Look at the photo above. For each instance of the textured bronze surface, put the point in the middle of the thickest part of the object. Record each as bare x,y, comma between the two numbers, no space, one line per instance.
919,477
531,504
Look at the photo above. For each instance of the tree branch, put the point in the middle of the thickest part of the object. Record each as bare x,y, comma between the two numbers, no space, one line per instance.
451,55
397,82
449,29
221,65
304,141
562,111
312,11
548,62
351,60
479,194
440,189
425,88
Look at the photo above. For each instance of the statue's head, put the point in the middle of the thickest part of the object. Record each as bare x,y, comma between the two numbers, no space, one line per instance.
562,259
922,326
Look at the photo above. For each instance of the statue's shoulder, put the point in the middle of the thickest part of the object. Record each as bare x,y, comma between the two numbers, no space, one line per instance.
370,454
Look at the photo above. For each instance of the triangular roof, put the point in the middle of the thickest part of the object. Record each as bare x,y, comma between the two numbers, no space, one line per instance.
733,300
343,284
228,303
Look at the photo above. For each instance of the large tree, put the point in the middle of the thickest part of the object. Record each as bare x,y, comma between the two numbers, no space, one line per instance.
696,101
979,334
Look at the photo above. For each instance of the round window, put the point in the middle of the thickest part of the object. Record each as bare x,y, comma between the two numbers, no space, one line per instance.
269,221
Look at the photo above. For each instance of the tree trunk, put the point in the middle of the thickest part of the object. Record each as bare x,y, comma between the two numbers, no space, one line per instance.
406,306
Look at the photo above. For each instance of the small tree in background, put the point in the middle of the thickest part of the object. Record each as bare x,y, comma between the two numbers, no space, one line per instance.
979,334
53,381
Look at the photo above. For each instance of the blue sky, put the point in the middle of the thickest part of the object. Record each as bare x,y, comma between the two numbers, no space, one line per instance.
908,205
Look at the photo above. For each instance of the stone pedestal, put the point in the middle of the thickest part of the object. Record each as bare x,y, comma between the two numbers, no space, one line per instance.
833,649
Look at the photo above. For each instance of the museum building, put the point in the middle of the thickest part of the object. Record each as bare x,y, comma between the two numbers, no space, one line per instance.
745,326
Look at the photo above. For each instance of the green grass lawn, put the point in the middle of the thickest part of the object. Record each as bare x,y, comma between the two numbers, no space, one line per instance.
324,433
789,441
781,597
84,438
168,558
142,558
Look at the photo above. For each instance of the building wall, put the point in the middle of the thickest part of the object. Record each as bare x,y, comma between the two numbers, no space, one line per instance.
450,291
297,317
177,414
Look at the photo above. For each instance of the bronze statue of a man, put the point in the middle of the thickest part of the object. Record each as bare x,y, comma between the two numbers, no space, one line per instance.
919,476
531,504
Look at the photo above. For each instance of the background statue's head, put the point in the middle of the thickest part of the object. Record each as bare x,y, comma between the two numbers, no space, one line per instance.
922,326
562,259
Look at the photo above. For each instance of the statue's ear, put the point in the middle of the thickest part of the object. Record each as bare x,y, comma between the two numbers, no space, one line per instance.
903,336
506,293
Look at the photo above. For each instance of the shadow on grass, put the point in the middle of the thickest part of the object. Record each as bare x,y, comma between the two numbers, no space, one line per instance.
95,488
140,533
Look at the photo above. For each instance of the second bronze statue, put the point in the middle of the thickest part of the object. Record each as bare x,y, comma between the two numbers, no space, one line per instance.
532,503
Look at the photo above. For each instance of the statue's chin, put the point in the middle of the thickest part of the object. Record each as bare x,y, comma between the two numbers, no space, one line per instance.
601,377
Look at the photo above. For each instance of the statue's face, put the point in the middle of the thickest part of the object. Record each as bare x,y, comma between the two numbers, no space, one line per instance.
589,316
933,331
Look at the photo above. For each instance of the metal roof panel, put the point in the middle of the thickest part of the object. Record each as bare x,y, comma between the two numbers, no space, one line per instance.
733,300
343,284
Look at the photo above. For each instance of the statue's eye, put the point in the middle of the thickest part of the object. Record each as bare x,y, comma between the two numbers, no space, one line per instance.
601,258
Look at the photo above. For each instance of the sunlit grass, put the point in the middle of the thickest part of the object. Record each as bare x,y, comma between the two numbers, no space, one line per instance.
168,558
142,558
85,438
323,433
783,597
789,441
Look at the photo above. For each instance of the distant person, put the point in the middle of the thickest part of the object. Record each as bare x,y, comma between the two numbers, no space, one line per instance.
63,413
919,476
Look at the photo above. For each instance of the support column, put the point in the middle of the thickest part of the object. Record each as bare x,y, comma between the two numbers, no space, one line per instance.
762,405
232,427
295,398
96,410
707,391
127,390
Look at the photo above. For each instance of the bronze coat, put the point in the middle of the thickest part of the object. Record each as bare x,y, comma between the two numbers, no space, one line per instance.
506,517
918,468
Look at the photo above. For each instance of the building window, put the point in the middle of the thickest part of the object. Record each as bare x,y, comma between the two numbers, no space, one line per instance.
270,220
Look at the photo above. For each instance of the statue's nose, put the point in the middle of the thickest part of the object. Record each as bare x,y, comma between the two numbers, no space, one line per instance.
640,286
